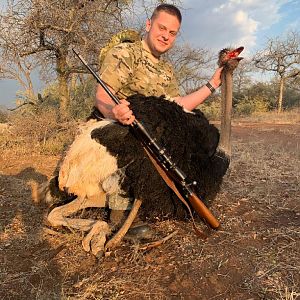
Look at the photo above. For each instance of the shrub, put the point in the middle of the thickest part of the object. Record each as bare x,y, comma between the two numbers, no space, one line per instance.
38,130
247,107
82,100
3,116
212,108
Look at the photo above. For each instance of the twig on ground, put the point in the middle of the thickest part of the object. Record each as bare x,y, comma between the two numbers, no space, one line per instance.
159,242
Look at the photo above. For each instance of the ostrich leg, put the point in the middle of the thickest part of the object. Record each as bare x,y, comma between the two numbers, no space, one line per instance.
59,215
96,238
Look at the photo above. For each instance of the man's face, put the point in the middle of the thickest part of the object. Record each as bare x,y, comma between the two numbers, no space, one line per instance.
161,33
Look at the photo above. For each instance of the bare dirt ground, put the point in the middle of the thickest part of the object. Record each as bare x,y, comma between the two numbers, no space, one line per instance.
255,254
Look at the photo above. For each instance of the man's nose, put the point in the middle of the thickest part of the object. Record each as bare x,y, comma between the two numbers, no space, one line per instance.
166,36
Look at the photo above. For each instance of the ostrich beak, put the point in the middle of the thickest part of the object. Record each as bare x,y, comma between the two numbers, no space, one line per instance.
234,54
231,59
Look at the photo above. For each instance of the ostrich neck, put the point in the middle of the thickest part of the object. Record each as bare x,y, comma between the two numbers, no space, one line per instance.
226,94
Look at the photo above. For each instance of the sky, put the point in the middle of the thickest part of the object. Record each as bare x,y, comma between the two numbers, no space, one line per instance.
214,25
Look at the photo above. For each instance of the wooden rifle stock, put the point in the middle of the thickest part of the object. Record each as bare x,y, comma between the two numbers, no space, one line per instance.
197,204
162,162
203,211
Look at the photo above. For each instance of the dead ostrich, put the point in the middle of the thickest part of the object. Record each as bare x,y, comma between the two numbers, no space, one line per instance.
106,159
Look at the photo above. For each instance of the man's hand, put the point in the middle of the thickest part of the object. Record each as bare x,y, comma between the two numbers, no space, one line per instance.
123,113
215,81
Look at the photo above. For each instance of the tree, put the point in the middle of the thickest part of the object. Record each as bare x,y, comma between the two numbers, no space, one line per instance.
45,32
281,56
17,68
13,66
190,66
242,78
292,92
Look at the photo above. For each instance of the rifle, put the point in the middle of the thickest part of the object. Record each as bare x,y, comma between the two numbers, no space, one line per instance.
172,175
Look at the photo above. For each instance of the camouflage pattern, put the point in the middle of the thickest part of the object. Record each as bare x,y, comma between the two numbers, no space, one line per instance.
129,69
127,35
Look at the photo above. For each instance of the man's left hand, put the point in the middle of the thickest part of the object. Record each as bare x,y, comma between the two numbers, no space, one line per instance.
215,81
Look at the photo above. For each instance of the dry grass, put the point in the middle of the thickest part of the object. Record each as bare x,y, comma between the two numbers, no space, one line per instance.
287,117
255,255
265,177
37,133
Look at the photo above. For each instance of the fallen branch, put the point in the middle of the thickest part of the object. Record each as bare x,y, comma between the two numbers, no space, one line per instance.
159,242
116,239
25,103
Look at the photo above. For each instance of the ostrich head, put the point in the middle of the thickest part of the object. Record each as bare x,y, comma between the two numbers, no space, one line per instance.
229,58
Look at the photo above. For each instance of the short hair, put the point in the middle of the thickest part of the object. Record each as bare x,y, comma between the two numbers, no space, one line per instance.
168,8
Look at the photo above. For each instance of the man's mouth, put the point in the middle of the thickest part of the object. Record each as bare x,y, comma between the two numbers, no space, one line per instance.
163,43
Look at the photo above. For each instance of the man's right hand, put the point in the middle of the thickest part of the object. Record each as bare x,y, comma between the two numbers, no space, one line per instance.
123,113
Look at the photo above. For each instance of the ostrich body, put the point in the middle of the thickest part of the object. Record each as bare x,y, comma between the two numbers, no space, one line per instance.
99,163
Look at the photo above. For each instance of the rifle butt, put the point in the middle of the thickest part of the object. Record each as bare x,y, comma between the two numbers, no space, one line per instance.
203,211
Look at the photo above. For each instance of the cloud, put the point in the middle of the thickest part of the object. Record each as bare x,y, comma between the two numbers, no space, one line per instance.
221,23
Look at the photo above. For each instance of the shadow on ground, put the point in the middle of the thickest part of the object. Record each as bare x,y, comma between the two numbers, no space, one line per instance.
28,266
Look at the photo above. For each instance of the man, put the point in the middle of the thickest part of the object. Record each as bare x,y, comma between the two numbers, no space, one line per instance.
126,66
131,68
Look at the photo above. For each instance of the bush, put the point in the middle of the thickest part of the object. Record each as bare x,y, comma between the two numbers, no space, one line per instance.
211,108
290,116
247,107
82,100
38,130
39,127
3,116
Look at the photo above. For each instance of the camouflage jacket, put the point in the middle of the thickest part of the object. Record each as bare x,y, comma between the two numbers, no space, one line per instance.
129,69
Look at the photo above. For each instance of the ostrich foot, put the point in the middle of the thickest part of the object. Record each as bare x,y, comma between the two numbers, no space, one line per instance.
94,241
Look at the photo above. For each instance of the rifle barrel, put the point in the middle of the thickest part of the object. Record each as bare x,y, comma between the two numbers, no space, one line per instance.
100,81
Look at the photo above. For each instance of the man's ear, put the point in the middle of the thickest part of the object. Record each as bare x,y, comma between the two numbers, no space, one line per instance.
148,25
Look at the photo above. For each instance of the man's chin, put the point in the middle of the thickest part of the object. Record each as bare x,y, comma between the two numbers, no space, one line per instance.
162,50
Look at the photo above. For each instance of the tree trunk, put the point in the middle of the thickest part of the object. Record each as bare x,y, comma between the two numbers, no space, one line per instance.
280,96
64,96
73,82
29,88
226,94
